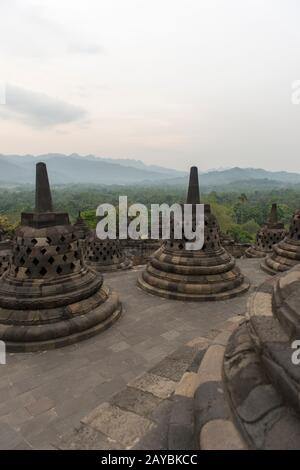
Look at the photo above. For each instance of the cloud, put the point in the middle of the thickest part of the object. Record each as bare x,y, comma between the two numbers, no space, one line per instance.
38,109
56,37
86,49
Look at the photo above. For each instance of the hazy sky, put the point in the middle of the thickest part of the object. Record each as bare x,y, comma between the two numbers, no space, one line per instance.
170,82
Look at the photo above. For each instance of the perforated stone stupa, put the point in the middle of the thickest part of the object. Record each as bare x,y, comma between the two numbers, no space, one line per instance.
82,232
207,274
48,296
268,235
105,255
81,227
286,254
5,253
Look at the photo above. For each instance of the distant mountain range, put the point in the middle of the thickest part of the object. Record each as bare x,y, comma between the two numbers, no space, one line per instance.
17,170
74,169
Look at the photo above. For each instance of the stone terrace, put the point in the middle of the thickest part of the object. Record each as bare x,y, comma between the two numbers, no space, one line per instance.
44,396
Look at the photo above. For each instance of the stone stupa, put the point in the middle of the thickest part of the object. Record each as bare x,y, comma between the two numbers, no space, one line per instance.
286,254
267,236
105,255
82,232
207,274
261,373
48,296
81,227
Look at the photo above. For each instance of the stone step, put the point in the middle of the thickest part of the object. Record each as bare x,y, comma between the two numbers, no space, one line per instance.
214,427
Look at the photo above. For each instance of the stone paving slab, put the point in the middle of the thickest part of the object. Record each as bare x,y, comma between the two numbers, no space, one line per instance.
147,414
138,401
155,384
44,395
120,425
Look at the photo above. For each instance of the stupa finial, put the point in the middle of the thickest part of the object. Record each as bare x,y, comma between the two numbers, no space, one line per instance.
273,217
193,196
43,199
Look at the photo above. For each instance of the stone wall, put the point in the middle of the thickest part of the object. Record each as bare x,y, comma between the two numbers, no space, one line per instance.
139,251
237,249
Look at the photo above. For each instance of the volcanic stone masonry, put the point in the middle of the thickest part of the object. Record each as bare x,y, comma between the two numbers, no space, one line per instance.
207,274
48,296
83,232
286,253
267,236
105,255
261,374
5,252
81,228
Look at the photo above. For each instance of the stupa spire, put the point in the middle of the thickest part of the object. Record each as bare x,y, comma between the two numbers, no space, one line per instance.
193,195
43,198
273,217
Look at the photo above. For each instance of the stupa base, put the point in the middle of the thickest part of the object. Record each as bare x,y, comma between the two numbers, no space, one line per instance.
253,252
174,294
275,268
70,329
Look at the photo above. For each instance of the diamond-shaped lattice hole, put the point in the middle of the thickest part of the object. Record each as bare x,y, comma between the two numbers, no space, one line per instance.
49,240
59,269
22,261
57,249
35,261
28,251
34,241
72,266
51,260
43,251
43,271
28,272
62,238
76,254
65,258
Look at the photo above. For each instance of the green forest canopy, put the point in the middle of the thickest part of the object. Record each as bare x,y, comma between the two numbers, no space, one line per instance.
239,214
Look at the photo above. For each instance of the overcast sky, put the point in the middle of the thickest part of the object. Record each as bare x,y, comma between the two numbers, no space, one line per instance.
170,82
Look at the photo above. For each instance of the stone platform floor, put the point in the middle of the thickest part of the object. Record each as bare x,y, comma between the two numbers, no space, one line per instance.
45,395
